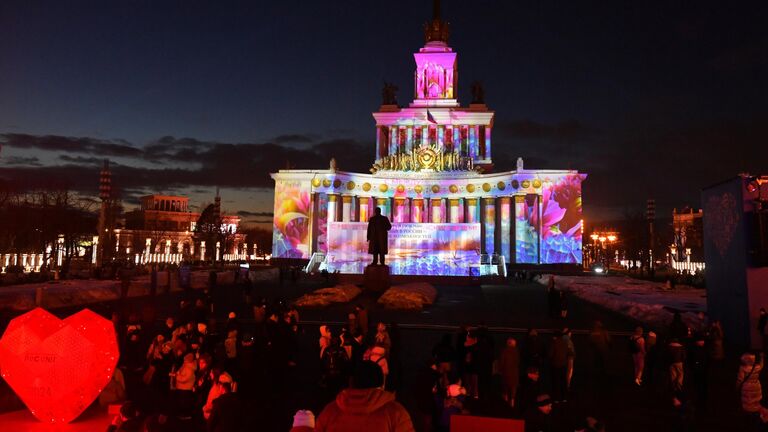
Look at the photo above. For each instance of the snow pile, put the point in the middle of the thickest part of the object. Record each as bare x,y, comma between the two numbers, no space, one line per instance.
325,296
412,296
648,302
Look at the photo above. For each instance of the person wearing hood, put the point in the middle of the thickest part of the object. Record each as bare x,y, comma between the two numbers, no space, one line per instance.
365,406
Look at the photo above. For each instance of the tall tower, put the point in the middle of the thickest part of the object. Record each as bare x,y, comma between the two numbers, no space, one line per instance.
436,68
106,221
217,206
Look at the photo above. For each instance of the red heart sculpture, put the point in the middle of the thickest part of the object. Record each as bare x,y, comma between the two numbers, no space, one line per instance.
58,367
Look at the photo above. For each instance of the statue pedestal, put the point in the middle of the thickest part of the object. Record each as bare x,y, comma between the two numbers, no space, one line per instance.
376,278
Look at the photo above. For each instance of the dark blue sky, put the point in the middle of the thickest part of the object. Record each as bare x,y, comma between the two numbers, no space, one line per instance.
651,99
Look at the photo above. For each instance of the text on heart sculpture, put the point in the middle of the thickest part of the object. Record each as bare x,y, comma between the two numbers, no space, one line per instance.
58,367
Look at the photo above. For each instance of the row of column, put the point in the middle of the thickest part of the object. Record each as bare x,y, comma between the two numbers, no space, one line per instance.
402,139
495,215
169,205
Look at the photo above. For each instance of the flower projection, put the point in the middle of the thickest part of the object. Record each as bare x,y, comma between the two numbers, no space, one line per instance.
561,221
290,231
58,367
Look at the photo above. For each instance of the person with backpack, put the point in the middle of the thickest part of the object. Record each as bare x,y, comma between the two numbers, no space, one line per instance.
637,349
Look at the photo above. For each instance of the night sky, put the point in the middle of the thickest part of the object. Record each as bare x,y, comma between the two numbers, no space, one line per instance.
651,99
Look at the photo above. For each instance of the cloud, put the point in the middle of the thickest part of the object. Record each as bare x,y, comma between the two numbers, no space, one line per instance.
86,145
82,160
294,139
245,213
21,160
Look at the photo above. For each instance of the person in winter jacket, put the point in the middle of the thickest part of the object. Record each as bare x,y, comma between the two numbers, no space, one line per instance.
558,362
224,384
748,381
226,410
509,367
183,381
637,348
676,360
325,339
365,406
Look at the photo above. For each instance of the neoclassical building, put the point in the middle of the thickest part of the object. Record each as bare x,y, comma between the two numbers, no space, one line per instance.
433,177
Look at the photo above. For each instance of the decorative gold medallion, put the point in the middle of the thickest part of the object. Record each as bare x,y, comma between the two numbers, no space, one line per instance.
470,188
350,185
501,185
366,186
383,187
435,189
486,187
327,182
526,184
316,182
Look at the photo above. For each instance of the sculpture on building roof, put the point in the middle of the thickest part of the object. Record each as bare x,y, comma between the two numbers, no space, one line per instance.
478,93
436,30
389,94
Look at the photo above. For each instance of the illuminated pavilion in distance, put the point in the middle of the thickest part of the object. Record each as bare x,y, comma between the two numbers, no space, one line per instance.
432,176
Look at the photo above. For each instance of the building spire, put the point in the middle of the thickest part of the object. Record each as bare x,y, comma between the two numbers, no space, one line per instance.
437,30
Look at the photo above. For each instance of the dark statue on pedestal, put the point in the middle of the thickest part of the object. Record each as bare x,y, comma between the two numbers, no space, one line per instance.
478,93
388,94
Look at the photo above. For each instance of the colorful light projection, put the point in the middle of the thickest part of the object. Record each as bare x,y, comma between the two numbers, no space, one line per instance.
527,229
442,249
290,230
561,221
58,367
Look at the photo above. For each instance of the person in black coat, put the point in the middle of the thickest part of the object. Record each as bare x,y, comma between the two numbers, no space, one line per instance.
378,228
226,411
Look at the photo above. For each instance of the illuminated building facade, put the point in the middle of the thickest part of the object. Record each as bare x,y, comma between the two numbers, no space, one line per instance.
162,229
432,176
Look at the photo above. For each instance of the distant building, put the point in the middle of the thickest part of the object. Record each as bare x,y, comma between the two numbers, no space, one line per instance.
688,229
163,229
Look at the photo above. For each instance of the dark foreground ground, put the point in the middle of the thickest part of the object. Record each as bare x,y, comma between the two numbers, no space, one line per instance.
609,395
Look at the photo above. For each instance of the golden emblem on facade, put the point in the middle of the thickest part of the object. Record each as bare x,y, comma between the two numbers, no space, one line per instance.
501,185
487,187
537,183
526,184
470,188
366,186
316,182
327,183
350,185
418,189
453,188
400,188
383,187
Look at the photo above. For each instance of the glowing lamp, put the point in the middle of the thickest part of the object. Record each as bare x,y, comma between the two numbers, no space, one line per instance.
611,238
58,367
594,237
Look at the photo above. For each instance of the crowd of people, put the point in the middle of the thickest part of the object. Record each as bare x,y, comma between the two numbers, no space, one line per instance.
191,373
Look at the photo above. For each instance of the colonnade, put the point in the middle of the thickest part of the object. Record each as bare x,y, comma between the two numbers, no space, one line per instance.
470,140
495,214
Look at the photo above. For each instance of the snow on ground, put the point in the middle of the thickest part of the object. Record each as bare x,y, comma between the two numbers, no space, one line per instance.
648,302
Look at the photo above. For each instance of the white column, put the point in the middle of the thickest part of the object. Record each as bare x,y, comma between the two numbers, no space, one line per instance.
346,208
202,251
218,250
332,205
95,251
